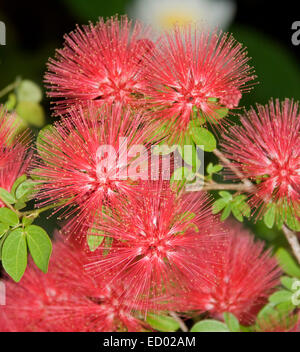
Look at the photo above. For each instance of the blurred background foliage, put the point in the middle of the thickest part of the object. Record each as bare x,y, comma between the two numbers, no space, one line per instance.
36,29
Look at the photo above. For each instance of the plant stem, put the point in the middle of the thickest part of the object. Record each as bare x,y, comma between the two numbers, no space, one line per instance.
10,207
293,241
183,327
227,162
240,187
8,88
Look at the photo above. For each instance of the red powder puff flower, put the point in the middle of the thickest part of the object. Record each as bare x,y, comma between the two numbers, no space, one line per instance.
87,160
266,149
244,279
66,299
194,73
102,64
157,242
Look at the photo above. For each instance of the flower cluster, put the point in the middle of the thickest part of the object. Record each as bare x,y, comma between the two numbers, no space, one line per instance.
68,299
139,245
243,279
266,149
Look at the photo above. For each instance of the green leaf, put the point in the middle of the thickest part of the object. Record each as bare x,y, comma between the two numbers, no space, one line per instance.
203,137
40,141
221,113
287,282
8,217
28,220
219,205
39,245
3,229
6,196
24,189
210,326
226,195
18,181
285,308
189,153
237,213
11,102
232,322
32,113
281,296
291,221
29,91
14,254
162,323
269,217
287,263
20,205
226,212
213,169
268,312
94,241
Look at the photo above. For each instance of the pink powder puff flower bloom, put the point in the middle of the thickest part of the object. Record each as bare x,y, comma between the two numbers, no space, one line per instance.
266,149
87,161
66,299
244,279
102,64
196,73
157,242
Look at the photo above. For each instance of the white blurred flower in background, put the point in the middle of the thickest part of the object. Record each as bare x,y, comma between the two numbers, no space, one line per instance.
163,14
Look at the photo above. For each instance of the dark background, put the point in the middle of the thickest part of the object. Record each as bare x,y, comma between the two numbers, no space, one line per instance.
36,29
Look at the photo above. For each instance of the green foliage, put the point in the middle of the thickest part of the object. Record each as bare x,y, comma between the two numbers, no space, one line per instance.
39,245
26,103
17,234
8,217
14,254
287,263
232,322
94,241
210,325
212,170
29,91
162,323
32,113
203,138
231,204
270,215
6,196
188,152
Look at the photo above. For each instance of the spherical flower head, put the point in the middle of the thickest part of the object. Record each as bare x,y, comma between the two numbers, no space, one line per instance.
196,75
244,279
89,158
266,149
155,240
66,299
100,64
